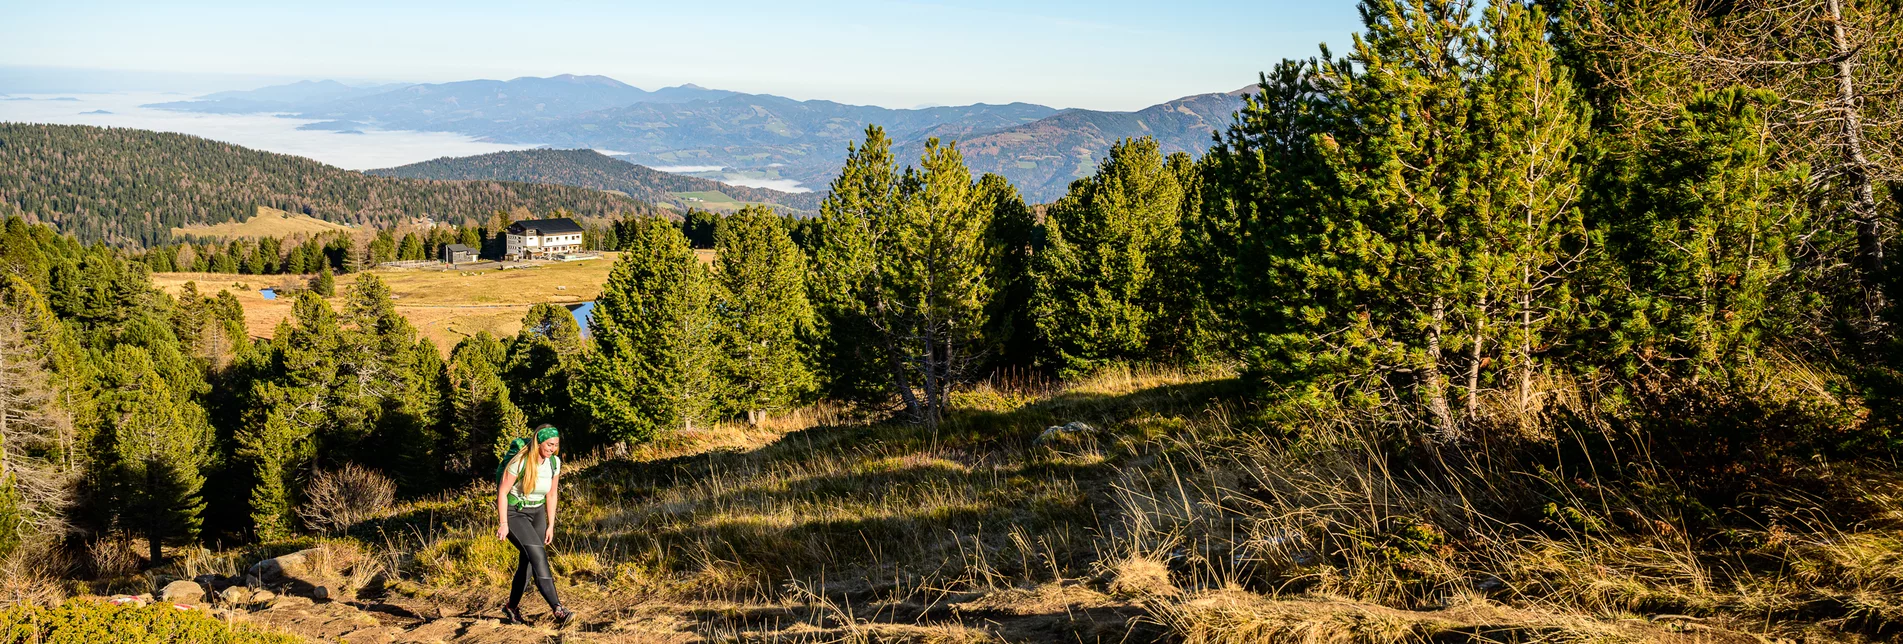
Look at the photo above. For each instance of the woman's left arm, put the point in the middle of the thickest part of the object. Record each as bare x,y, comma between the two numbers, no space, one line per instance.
554,495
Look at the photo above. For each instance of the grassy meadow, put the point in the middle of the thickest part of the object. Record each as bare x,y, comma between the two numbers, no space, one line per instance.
444,305
714,201
1182,515
268,222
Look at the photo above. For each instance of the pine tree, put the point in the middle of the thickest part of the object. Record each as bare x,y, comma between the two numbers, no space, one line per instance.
1098,287
905,263
325,284
1402,220
279,439
698,225
470,237
610,240
1015,240
844,251
1710,218
270,256
763,312
373,342
412,427
413,248
485,418
652,368
541,370
155,446
1527,235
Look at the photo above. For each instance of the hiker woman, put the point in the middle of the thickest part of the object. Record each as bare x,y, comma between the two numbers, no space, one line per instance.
525,502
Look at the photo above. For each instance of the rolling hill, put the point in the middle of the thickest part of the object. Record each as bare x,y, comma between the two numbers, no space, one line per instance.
591,169
126,186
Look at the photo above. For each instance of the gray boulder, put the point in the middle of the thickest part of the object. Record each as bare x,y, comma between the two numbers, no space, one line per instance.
1065,432
183,592
235,595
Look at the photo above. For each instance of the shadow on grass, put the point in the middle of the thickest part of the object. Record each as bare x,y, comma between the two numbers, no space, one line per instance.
887,494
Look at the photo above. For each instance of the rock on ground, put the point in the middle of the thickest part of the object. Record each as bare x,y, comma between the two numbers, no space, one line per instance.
183,592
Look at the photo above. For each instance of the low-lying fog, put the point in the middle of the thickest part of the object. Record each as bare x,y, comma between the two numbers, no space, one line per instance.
363,150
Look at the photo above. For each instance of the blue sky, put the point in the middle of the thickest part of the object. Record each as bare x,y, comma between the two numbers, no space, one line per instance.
1111,54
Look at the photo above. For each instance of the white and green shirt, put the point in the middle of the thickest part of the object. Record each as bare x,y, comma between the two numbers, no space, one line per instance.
544,479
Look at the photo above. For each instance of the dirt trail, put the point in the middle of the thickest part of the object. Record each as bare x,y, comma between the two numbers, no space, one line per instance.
1049,614
977,620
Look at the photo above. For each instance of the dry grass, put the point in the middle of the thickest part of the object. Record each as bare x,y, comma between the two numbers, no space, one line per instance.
445,306
1184,516
268,222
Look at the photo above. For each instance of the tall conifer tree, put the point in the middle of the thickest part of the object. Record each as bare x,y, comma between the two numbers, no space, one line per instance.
652,369
1099,290
763,312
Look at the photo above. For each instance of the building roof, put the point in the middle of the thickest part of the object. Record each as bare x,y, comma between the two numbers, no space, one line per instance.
556,226
459,248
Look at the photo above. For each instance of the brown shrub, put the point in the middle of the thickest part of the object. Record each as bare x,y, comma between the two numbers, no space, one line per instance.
112,556
340,498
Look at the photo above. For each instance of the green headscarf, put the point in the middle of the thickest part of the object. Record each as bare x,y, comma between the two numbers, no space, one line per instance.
546,433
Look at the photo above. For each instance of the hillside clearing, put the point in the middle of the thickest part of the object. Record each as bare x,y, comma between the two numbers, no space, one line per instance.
268,222
715,201
445,306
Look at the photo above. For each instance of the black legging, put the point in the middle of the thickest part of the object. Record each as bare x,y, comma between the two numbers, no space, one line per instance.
526,527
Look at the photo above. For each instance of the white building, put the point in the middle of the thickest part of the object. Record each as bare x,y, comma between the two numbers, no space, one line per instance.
542,238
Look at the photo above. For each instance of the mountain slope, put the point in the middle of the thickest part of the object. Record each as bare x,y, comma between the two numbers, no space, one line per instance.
755,131
275,98
130,186
591,169
478,106
758,136
1043,157
457,106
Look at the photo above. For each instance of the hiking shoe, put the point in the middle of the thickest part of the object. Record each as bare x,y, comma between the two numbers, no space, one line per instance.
512,615
562,616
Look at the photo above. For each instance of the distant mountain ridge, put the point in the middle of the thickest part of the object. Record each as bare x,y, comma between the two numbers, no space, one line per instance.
756,136
276,98
783,138
1043,157
591,169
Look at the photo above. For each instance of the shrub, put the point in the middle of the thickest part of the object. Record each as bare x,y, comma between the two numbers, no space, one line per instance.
93,622
338,499
481,560
112,556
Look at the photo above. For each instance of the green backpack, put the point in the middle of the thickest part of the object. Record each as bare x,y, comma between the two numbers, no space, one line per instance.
515,447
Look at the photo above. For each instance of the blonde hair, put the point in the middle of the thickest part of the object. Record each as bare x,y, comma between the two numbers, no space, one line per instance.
531,460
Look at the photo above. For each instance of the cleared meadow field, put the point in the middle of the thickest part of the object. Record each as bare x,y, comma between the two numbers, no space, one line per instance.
445,305
268,222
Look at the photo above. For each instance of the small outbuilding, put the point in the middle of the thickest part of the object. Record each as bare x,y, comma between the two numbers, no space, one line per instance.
458,254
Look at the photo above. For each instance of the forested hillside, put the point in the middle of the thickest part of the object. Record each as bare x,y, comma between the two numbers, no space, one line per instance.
591,169
132,187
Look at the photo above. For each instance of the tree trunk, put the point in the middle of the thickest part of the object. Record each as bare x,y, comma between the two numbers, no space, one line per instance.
1443,417
1473,366
153,533
1863,209
1524,403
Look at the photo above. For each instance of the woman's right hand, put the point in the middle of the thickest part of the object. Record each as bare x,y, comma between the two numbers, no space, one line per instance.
502,532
